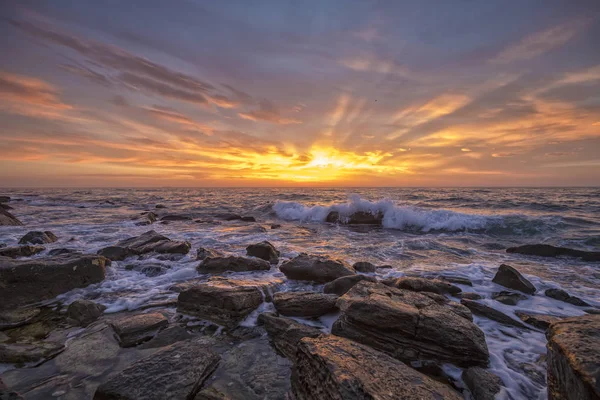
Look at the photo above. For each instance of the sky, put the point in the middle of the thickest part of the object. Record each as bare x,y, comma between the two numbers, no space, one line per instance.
299,93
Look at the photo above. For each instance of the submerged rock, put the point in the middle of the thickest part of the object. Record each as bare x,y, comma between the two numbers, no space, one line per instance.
410,326
509,277
146,218
135,329
174,372
285,333
176,218
546,250
20,251
217,265
340,286
304,304
62,251
147,242
540,321
330,367
491,313
416,284
483,384
315,268
84,312
203,253
7,219
470,296
29,281
574,358
37,237
264,250
561,295
508,298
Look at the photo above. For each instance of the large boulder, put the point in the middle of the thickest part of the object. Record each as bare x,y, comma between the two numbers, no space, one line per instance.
30,281
135,329
329,367
340,286
491,313
410,326
546,250
148,242
38,237
218,265
224,301
304,304
264,250
7,219
84,312
509,277
483,384
561,295
574,358
417,284
285,333
20,251
356,218
174,372
318,269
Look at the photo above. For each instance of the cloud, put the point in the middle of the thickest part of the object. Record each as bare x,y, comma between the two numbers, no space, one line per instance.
160,88
269,113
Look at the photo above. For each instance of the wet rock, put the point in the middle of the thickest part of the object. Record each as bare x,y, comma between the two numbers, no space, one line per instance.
12,318
4,199
5,207
264,250
365,218
38,237
285,333
364,266
410,326
304,304
508,298
470,296
29,281
115,253
174,372
483,384
150,269
509,277
217,265
333,217
330,367
146,218
203,253
160,206
340,286
424,285
224,301
136,329
561,295
84,312
20,251
574,358
62,251
173,217
7,219
491,313
546,250
275,226
6,394
315,268
595,311
167,336
229,216
20,353
540,321
248,219
147,242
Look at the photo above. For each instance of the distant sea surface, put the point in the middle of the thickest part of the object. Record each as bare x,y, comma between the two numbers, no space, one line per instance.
454,231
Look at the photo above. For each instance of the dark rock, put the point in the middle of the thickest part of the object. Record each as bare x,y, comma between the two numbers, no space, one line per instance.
410,326
167,336
457,280
264,250
595,311
5,207
7,219
508,298
540,321
424,285
4,199
5,393
304,304
217,265
229,217
84,312
574,358
546,250
176,218
13,318
29,281
364,218
341,285
135,329
203,253
363,266
470,296
146,243
561,295
275,226
491,313
115,253
285,333
62,251
333,217
315,268
20,353
330,367
20,251
509,277
248,219
483,384
37,237
160,206
150,270
174,372
146,218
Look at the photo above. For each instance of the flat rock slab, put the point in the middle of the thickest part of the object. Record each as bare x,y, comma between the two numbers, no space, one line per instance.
561,295
135,329
410,326
304,304
540,321
341,286
491,313
175,372
425,285
20,353
147,242
30,281
21,251
13,318
574,358
218,265
315,268
285,333
546,250
330,367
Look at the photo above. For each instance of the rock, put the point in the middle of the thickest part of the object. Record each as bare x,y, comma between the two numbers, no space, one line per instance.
172,217
285,333
340,286
7,219
304,304
224,301
546,250
470,296
229,217
315,268
115,253
20,251
62,251
20,353
13,318
491,313
135,329
203,253
5,393
424,285
330,367
363,266
160,206
483,384
574,358
264,250
146,218
29,281
84,312
150,270
248,219
217,265
167,336
4,199
5,207
145,243
275,226
410,326
540,321
508,298
365,218
174,372
37,237
509,277
595,311
333,217
457,280
561,295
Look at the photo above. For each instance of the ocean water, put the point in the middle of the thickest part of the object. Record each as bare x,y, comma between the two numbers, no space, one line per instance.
453,232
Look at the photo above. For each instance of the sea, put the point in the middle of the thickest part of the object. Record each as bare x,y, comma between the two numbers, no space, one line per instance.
460,232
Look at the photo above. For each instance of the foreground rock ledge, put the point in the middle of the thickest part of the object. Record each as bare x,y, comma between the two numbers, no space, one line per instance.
30,281
574,358
330,367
